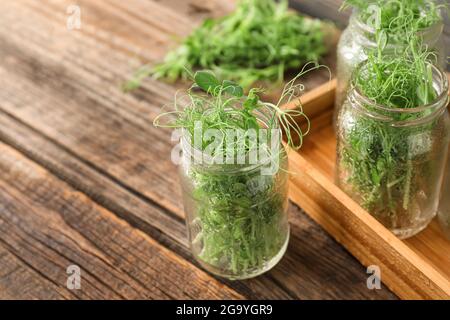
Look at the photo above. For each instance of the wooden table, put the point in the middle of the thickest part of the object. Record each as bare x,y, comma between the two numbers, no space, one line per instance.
86,180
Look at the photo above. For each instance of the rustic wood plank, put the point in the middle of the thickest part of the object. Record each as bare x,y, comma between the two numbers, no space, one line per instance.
110,193
18,279
54,89
62,101
48,225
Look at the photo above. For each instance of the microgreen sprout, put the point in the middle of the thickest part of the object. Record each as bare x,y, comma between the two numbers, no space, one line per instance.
241,215
222,105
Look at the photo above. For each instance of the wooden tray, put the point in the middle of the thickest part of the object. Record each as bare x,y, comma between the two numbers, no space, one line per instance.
417,268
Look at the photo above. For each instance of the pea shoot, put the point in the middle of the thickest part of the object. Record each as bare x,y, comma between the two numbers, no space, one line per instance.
258,42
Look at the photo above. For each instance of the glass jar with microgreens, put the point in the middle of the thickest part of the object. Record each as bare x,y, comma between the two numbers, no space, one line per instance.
391,156
360,37
236,213
234,174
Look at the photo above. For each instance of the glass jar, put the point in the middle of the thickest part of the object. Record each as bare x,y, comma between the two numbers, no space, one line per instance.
444,204
359,38
391,161
236,215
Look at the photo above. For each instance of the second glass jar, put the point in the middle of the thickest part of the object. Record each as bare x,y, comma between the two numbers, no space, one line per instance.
359,38
394,167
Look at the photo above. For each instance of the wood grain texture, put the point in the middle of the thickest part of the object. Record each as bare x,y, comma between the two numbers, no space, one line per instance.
49,226
104,168
417,268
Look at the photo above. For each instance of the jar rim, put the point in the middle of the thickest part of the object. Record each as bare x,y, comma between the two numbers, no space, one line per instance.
442,95
265,114
430,30
438,104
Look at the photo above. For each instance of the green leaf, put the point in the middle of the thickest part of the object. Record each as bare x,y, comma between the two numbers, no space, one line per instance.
252,100
375,176
207,81
233,88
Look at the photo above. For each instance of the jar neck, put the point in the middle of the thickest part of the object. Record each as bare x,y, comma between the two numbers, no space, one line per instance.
239,151
366,34
403,117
